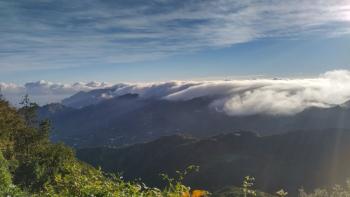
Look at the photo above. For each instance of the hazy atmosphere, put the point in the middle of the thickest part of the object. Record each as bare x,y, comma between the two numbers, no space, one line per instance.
170,98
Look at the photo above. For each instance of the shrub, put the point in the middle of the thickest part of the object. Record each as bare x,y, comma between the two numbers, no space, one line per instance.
5,176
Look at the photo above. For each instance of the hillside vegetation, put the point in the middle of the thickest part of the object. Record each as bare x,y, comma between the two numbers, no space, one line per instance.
30,165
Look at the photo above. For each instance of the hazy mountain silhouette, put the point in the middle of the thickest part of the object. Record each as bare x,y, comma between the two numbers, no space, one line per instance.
128,119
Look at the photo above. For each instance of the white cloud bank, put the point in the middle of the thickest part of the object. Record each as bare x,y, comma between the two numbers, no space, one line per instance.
44,92
234,97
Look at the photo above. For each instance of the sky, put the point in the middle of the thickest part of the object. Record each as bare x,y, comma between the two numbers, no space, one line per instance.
111,40
75,42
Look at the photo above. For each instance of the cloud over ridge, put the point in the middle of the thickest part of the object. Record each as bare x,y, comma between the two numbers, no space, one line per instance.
234,97
247,97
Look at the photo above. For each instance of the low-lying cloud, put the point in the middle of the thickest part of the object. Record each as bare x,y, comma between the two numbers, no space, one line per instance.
234,97
44,92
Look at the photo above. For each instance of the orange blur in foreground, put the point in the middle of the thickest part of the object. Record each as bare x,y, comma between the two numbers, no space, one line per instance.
195,193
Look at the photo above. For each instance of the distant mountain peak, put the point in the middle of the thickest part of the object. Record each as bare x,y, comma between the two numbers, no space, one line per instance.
345,105
129,96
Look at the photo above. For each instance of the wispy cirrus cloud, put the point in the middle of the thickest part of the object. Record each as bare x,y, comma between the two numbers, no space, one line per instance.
55,34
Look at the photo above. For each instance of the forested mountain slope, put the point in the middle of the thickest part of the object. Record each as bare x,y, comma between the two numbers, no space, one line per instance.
129,119
302,159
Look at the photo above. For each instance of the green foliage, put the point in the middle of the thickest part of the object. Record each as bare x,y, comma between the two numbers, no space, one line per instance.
247,186
336,191
40,169
281,193
28,110
5,176
234,191
13,191
174,185
83,180
248,183
6,186
44,131
247,190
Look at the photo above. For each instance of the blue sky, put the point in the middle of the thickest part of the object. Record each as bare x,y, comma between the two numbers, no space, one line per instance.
159,40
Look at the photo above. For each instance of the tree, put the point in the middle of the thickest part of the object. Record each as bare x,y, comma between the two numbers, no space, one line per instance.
28,110
1,95
5,176
44,131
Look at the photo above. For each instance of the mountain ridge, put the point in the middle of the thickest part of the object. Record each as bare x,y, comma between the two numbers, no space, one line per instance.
129,119
294,160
